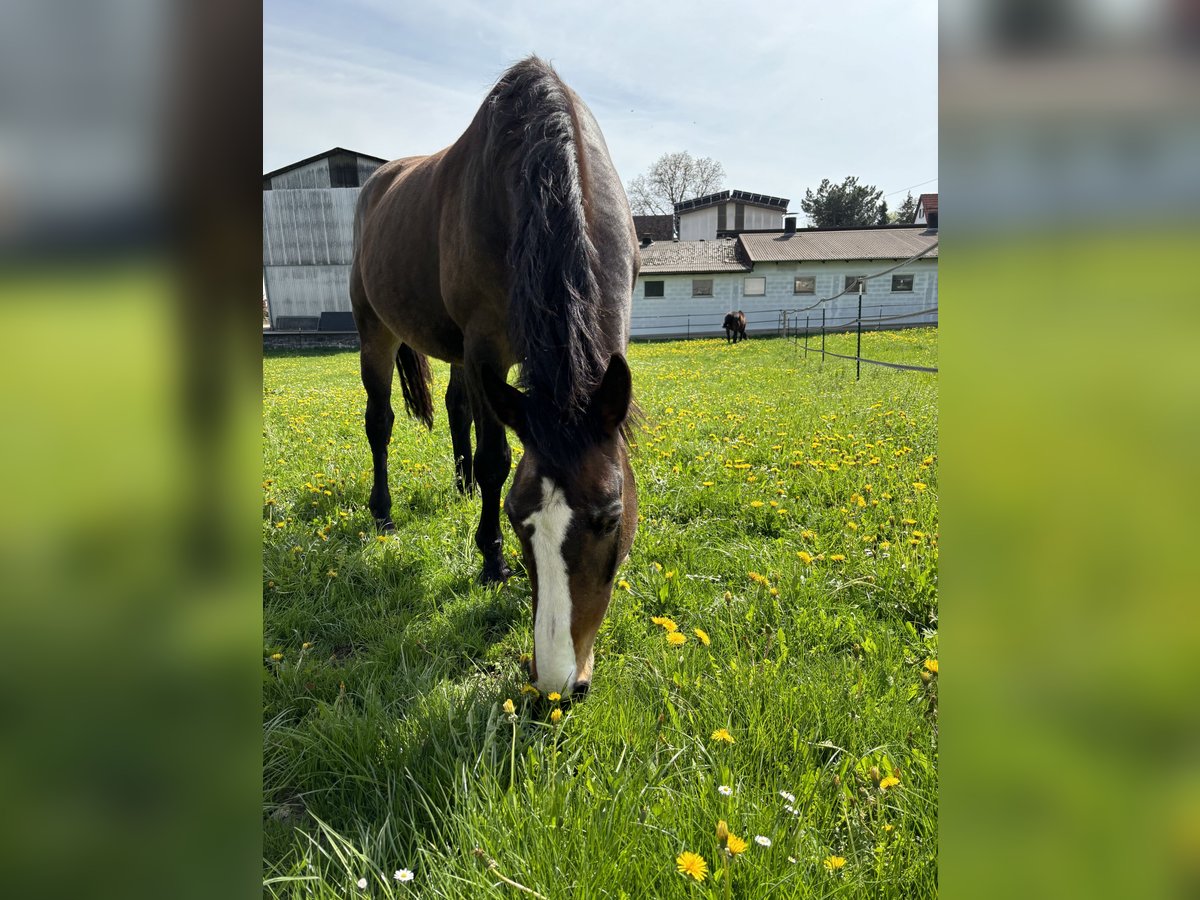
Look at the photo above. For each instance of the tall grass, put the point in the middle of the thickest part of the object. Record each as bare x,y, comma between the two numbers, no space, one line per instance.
787,511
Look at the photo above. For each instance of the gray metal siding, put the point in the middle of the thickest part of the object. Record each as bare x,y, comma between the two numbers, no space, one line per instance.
314,175
366,168
309,227
307,290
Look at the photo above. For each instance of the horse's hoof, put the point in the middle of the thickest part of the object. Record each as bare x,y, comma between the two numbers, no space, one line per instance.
385,524
580,690
494,573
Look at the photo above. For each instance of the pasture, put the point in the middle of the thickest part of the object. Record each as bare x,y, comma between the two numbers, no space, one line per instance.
788,549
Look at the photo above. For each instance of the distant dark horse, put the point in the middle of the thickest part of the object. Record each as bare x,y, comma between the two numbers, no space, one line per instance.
735,326
513,246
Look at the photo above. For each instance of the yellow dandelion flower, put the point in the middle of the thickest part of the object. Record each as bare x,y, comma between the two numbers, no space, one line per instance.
735,844
670,574
837,557
691,864
722,830
722,734
919,486
890,781
658,567
509,707
805,557
307,645
529,689
277,656
808,534
556,716
833,862
889,827
707,483
674,638
728,596
774,592
623,584
931,665
554,696
666,623
332,573
756,503
703,636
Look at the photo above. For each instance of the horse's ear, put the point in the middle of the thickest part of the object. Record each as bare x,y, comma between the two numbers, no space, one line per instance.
612,398
506,401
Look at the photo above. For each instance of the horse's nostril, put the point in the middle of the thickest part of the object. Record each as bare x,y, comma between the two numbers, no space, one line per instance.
580,690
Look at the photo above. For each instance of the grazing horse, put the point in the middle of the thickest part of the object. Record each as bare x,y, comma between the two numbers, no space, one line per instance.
513,246
735,325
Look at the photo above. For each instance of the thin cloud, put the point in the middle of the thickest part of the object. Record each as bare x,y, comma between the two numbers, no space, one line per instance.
783,97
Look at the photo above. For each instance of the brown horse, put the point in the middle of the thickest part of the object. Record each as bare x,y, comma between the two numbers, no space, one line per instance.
735,326
513,246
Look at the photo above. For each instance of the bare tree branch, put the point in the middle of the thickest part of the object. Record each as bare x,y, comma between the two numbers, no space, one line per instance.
671,179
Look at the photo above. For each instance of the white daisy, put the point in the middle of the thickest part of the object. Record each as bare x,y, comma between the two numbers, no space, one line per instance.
792,809
403,875
762,840
790,798
362,884
724,790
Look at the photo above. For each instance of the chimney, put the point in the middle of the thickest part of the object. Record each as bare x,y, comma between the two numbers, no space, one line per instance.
789,225
931,226
647,240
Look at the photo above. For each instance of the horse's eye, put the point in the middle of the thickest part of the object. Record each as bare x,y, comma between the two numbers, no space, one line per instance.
606,525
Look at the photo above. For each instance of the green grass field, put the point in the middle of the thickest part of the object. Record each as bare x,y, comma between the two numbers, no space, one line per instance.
789,529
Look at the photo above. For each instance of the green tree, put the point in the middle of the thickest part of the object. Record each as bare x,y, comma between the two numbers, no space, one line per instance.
885,217
907,210
848,203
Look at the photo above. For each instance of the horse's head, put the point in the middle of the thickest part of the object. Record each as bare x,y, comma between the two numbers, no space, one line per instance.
575,523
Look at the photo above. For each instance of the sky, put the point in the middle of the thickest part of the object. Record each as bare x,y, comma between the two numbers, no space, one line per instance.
781,94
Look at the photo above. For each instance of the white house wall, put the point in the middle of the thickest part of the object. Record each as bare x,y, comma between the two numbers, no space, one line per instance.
678,313
699,225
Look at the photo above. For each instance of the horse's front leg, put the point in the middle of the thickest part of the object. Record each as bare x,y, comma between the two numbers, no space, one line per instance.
458,410
493,460
378,367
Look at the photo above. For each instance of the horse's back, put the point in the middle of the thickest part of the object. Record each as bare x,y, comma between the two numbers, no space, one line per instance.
396,256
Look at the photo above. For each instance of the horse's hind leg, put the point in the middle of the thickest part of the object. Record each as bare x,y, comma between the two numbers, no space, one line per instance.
458,410
378,365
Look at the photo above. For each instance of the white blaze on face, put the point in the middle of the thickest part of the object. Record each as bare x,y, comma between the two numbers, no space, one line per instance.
554,651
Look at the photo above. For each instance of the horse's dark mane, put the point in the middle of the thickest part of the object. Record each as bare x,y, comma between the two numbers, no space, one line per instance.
555,305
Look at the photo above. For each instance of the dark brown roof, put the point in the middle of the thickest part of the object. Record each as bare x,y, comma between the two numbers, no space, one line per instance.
316,156
683,257
834,244
929,201
767,200
658,228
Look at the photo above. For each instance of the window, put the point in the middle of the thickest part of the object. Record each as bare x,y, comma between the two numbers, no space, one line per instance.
853,281
805,285
754,287
702,287
902,282
654,288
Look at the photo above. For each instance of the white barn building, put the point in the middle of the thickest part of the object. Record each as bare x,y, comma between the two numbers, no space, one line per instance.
308,239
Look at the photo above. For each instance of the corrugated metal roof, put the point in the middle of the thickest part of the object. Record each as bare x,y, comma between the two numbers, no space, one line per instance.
815,245
681,257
